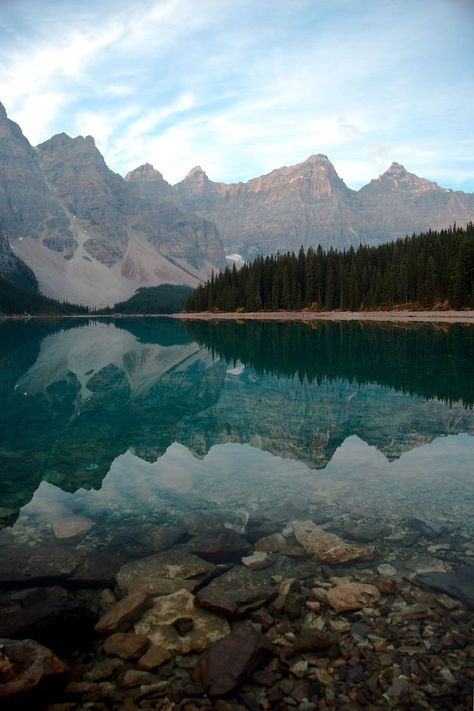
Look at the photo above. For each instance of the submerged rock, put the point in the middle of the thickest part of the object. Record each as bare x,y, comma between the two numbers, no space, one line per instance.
236,592
459,585
23,664
163,624
126,645
122,613
429,529
352,596
258,560
327,547
221,546
229,662
164,573
71,526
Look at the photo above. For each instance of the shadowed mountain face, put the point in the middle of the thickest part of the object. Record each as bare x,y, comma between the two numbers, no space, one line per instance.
74,399
90,236
308,204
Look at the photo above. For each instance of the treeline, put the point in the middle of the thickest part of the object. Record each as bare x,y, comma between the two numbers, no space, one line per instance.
163,299
15,299
429,269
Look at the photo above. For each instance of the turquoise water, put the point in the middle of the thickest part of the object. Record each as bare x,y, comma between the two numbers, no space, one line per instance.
142,420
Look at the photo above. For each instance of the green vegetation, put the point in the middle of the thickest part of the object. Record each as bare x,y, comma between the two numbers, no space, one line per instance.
426,270
163,299
16,299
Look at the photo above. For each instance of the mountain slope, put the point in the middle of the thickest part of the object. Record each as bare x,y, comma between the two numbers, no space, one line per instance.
308,204
90,236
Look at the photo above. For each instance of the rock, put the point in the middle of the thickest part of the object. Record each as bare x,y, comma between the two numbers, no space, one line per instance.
364,532
119,616
458,584
39,564
274,543
229,662
257,561
50,615
327,547
299,668
154,657
126,645
309,640
352,596
97,569
71,526
386,570
183,625
134,677
158,538
158,624
103,669
164,573
23,664
236,592
221,546
428,529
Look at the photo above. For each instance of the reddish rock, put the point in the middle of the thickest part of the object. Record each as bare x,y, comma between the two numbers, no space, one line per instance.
230,661
222,546
236,592
120,615
352,596
327,547
126,645
23,664
154,657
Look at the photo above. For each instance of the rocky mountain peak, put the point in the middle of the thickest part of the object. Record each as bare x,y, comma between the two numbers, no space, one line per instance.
399,179
3,113
145,172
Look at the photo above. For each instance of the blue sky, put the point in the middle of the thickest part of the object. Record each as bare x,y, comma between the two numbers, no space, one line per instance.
244,86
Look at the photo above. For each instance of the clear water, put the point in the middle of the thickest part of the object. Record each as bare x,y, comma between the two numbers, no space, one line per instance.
141,420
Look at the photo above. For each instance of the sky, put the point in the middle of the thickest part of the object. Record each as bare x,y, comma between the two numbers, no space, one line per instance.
241,87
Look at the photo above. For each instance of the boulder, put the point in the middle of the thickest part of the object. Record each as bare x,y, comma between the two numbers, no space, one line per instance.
24,664
274,543
258,560
236,592
126,645
164,573
352,596
221,546
71,526
326,547
119,617
229,662
458,584
161,624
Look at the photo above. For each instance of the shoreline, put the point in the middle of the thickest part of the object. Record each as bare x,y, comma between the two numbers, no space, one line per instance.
403,316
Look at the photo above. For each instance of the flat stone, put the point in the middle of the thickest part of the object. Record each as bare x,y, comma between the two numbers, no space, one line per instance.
71,526
154,657
258,560
327,547
274,543
126,645
309,640
364,532
180,569
352,596
158,538
428,529
23,664
49,563
229,662
119,616
236,592
97,569
103,669
458,584
134,677
386,570
221,546
158,624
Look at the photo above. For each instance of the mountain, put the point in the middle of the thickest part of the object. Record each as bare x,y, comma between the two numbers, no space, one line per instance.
308,204
89,235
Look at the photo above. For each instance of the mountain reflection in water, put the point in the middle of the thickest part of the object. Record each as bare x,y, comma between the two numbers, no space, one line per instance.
83,400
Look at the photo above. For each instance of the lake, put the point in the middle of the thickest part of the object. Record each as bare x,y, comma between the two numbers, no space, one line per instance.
113,432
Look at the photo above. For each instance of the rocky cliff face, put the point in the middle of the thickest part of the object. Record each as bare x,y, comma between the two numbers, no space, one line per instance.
90,236
309,204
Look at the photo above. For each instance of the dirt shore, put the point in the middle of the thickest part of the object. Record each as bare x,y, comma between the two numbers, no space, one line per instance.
407,316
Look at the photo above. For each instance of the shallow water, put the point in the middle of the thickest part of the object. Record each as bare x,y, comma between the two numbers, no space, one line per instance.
143,420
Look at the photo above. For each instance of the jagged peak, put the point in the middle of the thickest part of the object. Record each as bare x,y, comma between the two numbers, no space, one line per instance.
145,172
197,171
3,111
317,158
63,139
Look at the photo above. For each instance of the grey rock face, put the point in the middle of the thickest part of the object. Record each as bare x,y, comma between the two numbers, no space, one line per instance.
62,196
308,204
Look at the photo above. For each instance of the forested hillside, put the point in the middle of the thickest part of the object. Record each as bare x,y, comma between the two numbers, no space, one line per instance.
425,270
